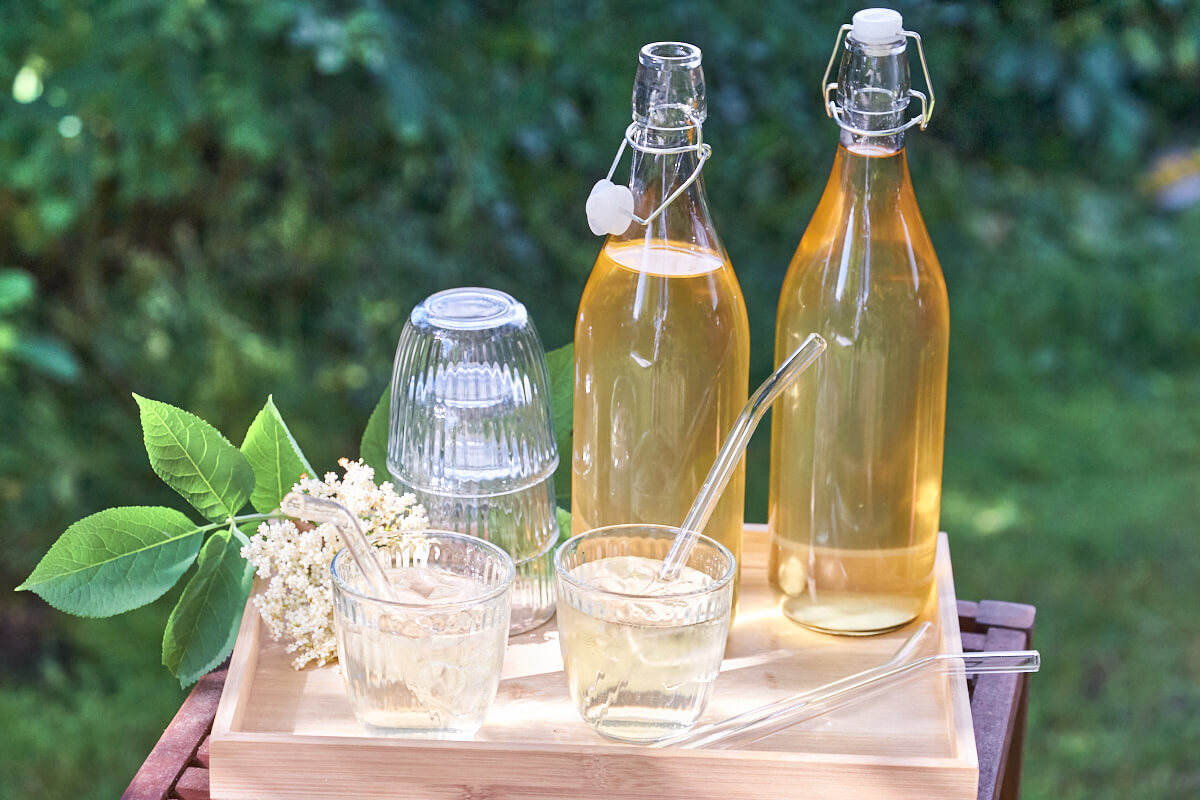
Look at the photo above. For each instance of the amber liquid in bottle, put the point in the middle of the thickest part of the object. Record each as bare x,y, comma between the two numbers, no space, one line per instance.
662,342
856,453
662,364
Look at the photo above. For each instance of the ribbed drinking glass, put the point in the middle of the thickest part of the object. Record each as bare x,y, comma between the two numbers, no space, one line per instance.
471,431
428,662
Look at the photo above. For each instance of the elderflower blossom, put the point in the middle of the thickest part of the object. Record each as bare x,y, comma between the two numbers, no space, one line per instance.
296,602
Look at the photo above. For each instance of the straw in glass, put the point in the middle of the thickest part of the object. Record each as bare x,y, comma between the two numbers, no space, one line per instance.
732,450
319,509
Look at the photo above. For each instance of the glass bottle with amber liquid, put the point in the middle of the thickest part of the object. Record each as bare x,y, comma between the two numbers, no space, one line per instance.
662,340
856,454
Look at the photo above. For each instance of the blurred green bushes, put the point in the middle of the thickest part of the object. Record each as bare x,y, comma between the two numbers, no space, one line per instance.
219,200
206,202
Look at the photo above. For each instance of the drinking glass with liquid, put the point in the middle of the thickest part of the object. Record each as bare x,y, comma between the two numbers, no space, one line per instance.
641,654
426,663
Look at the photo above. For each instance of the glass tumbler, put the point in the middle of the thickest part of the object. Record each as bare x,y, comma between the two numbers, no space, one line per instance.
641,656
428,664
533,592
471,431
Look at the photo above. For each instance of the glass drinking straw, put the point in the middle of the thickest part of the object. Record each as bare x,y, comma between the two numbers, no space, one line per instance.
318,509
732,450
763,721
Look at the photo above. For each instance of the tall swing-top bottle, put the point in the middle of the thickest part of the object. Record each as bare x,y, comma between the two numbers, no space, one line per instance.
662,339
856,454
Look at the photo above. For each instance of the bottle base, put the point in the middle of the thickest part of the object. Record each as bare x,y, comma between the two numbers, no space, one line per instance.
852,614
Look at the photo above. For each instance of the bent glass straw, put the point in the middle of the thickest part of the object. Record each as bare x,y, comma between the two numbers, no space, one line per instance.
774,717
732,450
903,655
319,509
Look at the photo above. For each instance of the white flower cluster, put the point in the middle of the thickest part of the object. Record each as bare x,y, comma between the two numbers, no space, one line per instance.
297,602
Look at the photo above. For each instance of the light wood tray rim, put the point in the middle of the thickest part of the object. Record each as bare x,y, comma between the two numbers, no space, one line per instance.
249,763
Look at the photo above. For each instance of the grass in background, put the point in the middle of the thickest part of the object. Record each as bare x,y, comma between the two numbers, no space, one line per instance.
1083,501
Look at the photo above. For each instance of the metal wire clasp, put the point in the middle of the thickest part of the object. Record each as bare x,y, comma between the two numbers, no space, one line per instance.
699,147
833,110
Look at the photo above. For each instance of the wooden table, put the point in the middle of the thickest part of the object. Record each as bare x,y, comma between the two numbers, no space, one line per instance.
177,767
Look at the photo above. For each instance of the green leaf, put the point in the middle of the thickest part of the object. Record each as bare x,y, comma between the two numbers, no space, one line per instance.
115,561
202,627
275,458
561,364
194,459
375,438
564,524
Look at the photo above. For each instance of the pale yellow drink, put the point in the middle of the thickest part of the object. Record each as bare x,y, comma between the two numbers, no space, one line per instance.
416,673
639,668
856,449
661,371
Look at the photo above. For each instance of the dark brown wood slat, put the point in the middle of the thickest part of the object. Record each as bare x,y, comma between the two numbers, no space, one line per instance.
996,614
202,752
1016,752
994,705
192,784
973,642
179,741
968,610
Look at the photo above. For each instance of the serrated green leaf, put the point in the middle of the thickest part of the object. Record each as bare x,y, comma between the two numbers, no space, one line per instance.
116,560
375,438
561,366
194,459
275,458
201,629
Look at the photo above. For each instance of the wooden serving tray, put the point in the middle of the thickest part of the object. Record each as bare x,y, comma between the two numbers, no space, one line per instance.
284,734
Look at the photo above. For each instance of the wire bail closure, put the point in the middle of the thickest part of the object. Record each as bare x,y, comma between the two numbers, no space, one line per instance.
834,111
610,207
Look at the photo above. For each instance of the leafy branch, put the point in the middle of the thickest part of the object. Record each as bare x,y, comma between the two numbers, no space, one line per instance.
123,558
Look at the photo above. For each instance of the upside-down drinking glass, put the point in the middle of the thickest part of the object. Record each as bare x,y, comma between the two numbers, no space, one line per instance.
471,431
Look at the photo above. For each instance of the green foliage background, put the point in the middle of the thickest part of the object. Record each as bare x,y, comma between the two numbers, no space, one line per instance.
210,201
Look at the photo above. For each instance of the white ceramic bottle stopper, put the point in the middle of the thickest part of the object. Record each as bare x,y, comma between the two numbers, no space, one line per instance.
877,26
609,208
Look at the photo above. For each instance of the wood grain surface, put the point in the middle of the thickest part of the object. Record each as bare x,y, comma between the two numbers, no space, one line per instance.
285,734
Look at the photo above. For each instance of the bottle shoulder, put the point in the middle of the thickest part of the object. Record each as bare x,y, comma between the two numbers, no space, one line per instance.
865,257
867,221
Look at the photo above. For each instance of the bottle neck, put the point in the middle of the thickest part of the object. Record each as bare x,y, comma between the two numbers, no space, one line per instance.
656,174
669,106
873,93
